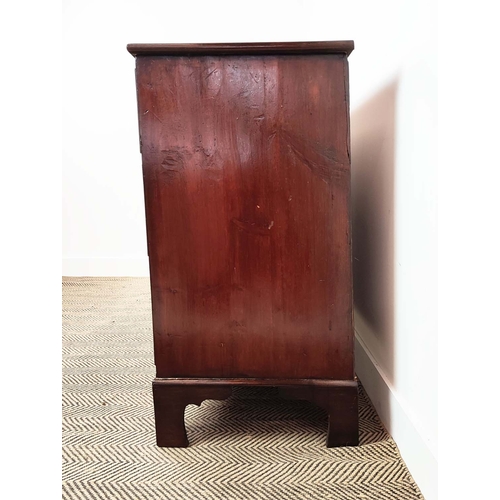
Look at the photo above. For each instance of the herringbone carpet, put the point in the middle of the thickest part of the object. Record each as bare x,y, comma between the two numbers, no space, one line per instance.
252,446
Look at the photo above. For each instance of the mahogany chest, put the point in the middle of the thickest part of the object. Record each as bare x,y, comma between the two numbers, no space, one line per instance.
246,165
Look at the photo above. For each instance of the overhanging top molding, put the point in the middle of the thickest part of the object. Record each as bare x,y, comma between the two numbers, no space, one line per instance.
269,48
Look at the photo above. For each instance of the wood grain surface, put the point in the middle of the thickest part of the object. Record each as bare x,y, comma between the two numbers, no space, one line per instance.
247,183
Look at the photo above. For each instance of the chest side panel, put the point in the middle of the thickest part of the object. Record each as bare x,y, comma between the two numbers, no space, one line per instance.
246,177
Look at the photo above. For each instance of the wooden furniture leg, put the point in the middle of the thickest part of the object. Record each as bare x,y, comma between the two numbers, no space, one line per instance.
341,403
170,401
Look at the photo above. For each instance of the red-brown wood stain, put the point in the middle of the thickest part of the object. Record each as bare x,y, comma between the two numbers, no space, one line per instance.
246,174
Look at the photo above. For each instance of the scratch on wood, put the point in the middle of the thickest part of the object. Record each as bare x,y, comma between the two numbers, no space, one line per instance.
251,227
156,116
323,164
211,73
271,136
172,160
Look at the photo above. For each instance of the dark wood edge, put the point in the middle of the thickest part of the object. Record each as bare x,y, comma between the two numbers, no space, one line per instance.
256,382
270,48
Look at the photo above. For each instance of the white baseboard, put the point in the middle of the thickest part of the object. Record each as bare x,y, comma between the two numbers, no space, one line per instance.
105,266
398,421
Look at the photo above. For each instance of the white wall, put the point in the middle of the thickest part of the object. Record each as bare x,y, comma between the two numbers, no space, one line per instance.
394,183
393,103
103,214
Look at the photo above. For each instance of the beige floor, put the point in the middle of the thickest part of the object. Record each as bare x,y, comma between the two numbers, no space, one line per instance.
254,445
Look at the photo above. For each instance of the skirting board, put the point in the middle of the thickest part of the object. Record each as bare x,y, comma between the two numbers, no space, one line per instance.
105,266
412,445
